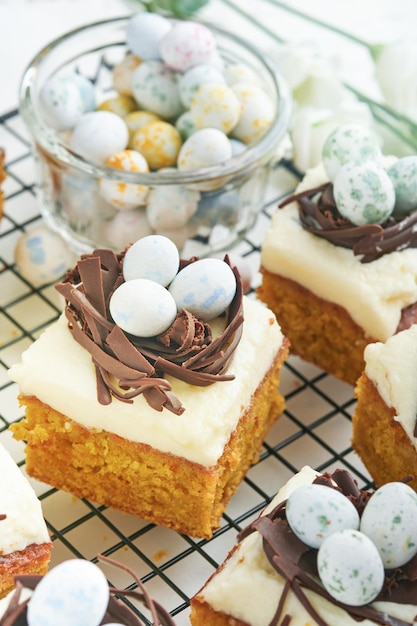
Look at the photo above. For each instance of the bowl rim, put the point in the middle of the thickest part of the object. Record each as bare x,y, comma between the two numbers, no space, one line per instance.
48,140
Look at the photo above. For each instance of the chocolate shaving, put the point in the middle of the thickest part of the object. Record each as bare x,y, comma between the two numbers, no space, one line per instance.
127,366
117,611
296,562
319,216
3,516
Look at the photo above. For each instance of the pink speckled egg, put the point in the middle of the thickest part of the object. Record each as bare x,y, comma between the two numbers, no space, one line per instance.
187,44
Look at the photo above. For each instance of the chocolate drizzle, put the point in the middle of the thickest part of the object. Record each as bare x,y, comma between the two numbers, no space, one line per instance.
127,366
117,611
319,216
296,562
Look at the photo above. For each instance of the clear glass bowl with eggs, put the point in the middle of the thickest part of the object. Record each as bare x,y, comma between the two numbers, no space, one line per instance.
124,147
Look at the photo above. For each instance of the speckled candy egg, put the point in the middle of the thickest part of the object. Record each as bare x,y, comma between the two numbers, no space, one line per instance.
155,88
123,74
144,32
74,593
127,226
315,512
159,142
240,73
257,112
142,307
98,135
137,120
350,568
364,193
118,193
349,142
121,105
42,256
62,102
204,148
154,258
205,288
404,177
185,125
171,206
215,106
389,520
187,44
196,76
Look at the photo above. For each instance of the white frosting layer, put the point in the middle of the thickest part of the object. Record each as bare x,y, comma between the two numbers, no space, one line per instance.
24,523
249,589
392,367
58,371
373,293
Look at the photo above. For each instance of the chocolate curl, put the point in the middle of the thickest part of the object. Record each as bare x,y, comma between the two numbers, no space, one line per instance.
319,216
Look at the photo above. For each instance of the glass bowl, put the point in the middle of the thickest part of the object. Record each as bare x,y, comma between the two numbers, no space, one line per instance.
229,195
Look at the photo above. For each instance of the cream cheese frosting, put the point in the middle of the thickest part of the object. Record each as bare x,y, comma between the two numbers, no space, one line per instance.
392,367
374,293
248,588
24,523
60,373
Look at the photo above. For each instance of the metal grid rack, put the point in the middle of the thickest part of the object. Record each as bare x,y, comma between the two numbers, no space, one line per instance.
314,429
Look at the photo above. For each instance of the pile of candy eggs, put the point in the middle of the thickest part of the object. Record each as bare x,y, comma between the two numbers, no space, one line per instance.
353,551
174,97
364,190
155,290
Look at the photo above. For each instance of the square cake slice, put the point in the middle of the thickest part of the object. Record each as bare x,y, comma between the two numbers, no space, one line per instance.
25,546
384,430
275,576
163,428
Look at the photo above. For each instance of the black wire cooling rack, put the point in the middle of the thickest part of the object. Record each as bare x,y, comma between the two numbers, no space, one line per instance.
315,428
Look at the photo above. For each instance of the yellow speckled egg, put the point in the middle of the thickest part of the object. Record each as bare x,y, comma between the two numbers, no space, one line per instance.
122,74
215,106
257,112
121,105
159,142
118,193
137,120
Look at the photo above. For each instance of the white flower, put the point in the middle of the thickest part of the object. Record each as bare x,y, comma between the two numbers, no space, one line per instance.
396,72
311,126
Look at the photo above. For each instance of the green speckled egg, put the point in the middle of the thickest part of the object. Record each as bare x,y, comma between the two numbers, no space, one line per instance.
364,193
404,177
349,142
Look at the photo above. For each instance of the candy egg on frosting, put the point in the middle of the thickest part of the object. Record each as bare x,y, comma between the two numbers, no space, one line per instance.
154,257
74,593
350,568
349,142
315,512
389,520
205,288
118,193
155,88
364,193
403,174
196,76
159,142
187,44
98,135
144,32
215,106
142,307
257,112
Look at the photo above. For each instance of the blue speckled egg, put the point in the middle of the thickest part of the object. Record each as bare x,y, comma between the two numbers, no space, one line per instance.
364,193
404,177
74,593
61,102
315,512
144,32
205,288
154,257
349,142
155,88
142,307
350,568
98,135
390,521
